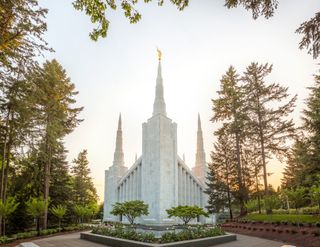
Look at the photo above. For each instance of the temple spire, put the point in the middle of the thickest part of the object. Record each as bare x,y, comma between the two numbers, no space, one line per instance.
118,153
200,149
159,106
200,168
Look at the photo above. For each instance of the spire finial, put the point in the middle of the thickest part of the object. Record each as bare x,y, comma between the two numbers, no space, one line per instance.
119,122
159,54
199,122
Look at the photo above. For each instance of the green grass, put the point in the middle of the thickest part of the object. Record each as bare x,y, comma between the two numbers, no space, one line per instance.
297,218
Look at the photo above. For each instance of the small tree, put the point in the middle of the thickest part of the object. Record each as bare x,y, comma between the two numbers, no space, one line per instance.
297,197
81,212
315,195
270,202
130,209
59,211
252,205
186,213
36,208
7,208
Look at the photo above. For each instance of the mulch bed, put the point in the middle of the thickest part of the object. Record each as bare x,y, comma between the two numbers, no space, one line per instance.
16,242
306,236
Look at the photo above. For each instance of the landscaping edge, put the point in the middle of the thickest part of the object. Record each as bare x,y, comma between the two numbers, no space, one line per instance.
118,242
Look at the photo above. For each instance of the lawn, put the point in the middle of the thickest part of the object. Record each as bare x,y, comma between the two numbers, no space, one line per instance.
298,218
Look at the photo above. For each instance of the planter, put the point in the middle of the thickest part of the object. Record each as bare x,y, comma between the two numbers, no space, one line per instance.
119,242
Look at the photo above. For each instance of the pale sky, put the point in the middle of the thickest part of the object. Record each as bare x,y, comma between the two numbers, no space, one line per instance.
118,74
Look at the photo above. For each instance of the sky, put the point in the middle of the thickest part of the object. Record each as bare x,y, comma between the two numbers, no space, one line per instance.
118,74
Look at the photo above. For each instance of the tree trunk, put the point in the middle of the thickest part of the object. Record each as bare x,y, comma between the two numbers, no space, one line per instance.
6,172
38,226
241,188
3,161
4,227
257,188
46,183
228,190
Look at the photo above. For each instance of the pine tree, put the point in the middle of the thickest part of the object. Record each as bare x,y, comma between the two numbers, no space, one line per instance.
22,26
270,126
222,177
303,162
311,124
229,108
83,189
57,115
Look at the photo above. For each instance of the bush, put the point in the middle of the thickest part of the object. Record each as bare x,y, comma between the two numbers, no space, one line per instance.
187,234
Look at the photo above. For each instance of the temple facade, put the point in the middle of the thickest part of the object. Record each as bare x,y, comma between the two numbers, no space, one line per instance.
159,177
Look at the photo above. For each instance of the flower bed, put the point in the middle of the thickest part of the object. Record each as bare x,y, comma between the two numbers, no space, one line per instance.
299,234
185,234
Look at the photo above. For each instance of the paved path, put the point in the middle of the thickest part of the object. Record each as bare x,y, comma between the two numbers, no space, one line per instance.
73,240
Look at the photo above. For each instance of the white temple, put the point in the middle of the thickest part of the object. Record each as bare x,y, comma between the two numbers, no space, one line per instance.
159,177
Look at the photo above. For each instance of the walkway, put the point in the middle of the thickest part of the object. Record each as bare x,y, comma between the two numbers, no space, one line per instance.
73,240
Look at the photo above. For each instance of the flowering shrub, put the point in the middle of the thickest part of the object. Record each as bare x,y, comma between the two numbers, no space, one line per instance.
186,234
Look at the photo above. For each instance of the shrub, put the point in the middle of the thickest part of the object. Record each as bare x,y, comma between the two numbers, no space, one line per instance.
130,209
271,202
187,234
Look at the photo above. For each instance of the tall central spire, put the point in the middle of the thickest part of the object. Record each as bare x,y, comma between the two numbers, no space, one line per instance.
200,169
118,153
159,106
200,155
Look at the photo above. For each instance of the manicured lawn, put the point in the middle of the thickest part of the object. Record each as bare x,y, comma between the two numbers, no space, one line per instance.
299,218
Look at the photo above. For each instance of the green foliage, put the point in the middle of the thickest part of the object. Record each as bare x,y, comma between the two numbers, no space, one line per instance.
270,126
187,234
97,9
8,207
124,233
229,109
311,35
216,190
36,206
296,197
186,213
192,233
303,162
22,26
292,218
252,205
59,211
130,209
315,195
271,202
222,175
84,192
81,212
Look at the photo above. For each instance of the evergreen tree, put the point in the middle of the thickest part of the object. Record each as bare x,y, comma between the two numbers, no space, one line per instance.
230,108
57,115
222,177
297,158
83,189
311,125
269,126
217,192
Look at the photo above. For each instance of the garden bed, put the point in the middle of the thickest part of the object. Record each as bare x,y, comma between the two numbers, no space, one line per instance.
119,242
299,234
